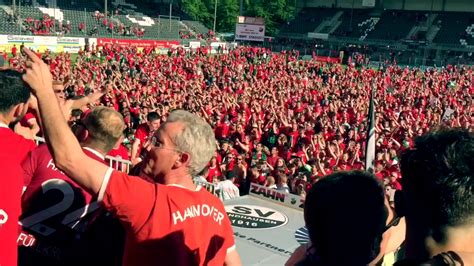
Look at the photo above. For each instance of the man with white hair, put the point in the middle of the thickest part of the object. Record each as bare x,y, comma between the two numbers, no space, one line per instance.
171,221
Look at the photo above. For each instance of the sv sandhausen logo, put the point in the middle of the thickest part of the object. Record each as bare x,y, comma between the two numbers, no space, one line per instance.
255,217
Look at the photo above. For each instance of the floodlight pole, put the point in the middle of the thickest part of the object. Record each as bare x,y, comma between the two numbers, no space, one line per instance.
85,21
352,13
215,16
19,16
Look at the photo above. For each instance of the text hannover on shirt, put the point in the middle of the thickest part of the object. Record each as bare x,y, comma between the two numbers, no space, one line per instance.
198,210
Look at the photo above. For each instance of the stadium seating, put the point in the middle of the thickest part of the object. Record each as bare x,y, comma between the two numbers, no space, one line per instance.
196,27
137,15
395,25
6,26
450,27
454,28
307,20
362,22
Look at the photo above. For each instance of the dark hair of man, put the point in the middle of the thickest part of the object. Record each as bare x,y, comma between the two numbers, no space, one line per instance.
345,216
437,179
152,116
13,90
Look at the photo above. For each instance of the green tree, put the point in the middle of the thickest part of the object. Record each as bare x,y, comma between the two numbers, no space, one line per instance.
227,12
274,12
197,10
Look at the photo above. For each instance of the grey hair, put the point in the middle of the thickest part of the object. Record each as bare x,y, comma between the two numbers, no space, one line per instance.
197,139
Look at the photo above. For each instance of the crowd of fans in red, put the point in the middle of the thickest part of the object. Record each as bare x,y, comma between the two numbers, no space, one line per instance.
45,26
280,121
193,33
115,26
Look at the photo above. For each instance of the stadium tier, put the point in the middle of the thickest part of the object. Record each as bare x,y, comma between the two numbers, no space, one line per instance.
82,18
307,20
455,28
395,25
168,143
387,25
362,23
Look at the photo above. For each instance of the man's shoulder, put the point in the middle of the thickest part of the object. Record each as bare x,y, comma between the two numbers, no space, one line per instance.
142,129
12,138
41,152
10,167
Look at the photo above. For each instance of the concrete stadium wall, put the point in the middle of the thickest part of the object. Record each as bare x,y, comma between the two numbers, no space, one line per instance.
460,5
427,5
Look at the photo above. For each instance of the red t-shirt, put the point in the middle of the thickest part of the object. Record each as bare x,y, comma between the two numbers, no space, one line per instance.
272,160
56,210
142,133
30,115
121,153
169,224
13,145
10,210
214,172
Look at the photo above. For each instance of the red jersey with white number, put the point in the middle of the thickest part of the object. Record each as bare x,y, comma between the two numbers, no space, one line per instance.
168,224
10,194
56,210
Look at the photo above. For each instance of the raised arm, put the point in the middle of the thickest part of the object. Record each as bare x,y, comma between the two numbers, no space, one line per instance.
64,147
91,98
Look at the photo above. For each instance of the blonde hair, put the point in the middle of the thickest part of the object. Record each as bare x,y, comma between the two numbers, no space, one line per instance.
58,83
105,127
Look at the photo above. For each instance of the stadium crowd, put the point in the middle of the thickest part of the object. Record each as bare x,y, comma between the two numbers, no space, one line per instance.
279,121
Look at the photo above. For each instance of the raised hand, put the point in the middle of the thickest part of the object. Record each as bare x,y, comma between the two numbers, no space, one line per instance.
37,74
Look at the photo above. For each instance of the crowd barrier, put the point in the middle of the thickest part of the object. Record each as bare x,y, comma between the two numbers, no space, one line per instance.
74,44
289,200
282,198
211,187
42,43
114,162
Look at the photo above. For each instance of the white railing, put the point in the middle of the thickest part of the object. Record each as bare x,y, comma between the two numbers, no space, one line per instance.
114,162
211,187
118,163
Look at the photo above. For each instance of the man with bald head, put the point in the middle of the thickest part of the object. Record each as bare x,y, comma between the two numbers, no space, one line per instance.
59,228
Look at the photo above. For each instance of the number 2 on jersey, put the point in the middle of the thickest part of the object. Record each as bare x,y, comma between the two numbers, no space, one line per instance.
35,221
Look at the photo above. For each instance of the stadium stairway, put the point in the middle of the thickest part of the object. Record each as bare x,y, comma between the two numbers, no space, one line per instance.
455,28
135,14
307,20
362,23
395,25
